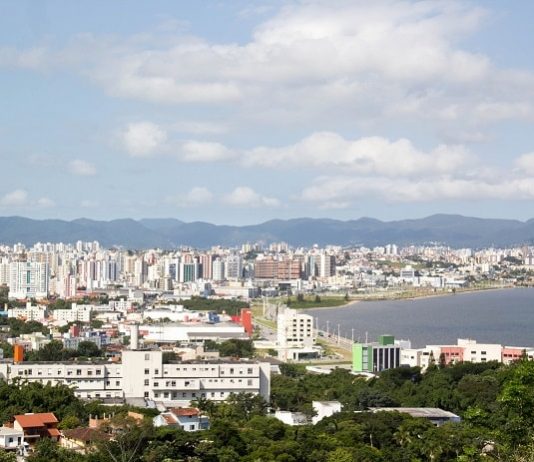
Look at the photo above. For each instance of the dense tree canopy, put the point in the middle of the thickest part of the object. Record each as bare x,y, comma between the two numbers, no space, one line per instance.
496,404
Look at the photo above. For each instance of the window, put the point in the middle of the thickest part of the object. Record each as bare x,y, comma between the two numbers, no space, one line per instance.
156,371
78,372
146,394
117,383
146,382
147,371
156,384
250,370
98,372
147,356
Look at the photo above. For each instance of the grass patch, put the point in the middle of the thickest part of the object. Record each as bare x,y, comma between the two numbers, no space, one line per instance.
317,301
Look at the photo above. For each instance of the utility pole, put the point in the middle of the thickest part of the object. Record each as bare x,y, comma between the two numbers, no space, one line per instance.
352,337
338,335
327,328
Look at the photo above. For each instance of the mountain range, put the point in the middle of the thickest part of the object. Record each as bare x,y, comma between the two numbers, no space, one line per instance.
453,230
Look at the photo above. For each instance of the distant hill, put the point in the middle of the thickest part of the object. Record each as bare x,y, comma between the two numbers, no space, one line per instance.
453,230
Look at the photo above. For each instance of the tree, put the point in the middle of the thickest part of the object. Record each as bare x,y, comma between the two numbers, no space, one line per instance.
6,456
129,438
96,323
89,349
71,421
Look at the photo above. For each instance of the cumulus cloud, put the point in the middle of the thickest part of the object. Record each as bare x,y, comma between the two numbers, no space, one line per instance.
371,155
390,56
45,202
81,168
243,196
18,197
142,139
88,204
195,197
201,151
21,198
525,163
343,191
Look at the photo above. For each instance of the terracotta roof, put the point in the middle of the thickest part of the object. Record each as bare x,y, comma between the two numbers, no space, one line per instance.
53,432
169,418
185,411
85,434
36,420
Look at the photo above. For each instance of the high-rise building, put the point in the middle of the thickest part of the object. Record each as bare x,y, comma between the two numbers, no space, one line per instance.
327,265
218,269
234,267
28,280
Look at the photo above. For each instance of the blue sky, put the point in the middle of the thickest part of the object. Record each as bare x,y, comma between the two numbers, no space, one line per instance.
238,112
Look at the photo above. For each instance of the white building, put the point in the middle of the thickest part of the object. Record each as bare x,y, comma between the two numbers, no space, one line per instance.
324,409
189,419
295,335
77,313
28,280
29,312
295,329
192,332
142,374
11,438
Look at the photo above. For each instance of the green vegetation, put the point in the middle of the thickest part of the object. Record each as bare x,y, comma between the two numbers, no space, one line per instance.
232,347
496,404
230,307
314,301
17,327
54,351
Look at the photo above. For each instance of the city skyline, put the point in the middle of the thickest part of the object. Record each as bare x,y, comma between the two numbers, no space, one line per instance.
240,112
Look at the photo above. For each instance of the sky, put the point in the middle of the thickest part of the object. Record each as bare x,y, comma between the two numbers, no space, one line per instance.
237,112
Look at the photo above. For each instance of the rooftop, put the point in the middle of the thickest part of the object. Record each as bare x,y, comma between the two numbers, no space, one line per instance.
36,420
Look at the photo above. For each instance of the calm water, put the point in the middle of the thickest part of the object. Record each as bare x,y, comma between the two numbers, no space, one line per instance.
494,316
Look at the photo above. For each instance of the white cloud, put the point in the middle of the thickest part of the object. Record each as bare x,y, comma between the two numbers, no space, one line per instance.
312,61
81,168
195,197
18,197
372,155
201,151
88,204
525,163
348,190
200,127
243,196
142,139
45,202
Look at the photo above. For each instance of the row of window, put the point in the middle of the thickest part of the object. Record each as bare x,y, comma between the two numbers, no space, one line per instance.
188,383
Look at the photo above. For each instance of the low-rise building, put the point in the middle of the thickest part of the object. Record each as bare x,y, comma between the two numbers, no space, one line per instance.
376,356
82,439
143,375
11,438
188,419
433,414
37,426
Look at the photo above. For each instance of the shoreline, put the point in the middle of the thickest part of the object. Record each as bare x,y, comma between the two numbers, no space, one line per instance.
393,297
